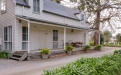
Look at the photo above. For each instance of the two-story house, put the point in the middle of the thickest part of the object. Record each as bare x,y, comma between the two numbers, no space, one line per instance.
28,25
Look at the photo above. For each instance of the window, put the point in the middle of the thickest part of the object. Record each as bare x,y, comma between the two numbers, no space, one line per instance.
36,6
82,19
55,38
24,38
3,6
8,38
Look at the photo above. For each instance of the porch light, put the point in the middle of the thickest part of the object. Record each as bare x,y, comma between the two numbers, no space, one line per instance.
72,30
19,21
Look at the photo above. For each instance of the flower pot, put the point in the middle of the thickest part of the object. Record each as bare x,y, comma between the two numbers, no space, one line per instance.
69,52
45,56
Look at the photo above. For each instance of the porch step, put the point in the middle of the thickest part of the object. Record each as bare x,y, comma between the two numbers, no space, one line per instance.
19,55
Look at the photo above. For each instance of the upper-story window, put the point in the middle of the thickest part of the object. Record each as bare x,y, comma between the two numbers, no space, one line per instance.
3,6
36,6
82,19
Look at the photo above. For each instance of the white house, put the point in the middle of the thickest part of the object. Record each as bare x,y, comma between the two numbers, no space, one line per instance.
28,25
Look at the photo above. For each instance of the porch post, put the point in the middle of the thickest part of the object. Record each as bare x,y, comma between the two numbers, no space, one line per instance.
28,36
64,38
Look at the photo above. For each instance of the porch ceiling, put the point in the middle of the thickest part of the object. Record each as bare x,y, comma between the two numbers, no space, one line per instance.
50,22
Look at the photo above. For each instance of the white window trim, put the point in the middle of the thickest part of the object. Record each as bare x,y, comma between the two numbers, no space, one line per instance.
8,41
36,12
4,6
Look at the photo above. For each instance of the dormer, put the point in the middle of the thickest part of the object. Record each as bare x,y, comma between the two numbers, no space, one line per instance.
81,16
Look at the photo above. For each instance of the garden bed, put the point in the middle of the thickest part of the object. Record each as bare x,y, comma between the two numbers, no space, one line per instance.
106,65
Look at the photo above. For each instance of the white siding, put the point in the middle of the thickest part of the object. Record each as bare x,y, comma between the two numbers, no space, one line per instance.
46,16
36,40
8,19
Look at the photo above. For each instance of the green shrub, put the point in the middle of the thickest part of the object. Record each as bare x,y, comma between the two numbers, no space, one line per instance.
4,55
91,43
45,51
106,65
87,47
98,47
69,48
117,52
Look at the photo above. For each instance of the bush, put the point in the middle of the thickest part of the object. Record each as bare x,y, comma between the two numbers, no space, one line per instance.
45,51
4,55
86,48
117,52
69,48
91,43
106,65
98,47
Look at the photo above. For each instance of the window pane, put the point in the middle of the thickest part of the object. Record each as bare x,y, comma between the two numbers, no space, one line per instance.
55,44
24,46
24,29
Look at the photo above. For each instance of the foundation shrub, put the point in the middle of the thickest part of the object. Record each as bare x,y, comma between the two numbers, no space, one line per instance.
4,55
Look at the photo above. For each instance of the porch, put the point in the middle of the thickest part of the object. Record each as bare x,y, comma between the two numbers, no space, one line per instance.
37,35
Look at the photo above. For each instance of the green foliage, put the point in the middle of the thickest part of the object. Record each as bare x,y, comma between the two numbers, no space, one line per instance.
118,37
106,65
117,52
87,47
91,43
69,48
4,55
98,47
45,51
107,36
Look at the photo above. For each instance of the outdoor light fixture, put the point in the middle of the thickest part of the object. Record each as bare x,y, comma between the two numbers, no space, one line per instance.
19,21
72,30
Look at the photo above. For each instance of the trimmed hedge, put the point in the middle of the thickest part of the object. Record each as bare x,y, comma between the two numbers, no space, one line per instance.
106,65
4,55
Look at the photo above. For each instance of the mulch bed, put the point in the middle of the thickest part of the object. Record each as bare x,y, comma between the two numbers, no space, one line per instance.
57,55
63,54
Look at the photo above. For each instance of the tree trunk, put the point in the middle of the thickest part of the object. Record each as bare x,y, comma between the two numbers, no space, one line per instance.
97,26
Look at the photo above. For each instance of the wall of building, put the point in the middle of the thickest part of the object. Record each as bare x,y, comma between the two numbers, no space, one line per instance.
8,19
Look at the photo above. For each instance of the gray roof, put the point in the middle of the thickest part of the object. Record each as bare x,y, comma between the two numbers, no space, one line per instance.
58,9
54,8
50,22
22,2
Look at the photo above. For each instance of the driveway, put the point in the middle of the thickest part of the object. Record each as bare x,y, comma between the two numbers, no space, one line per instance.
11,67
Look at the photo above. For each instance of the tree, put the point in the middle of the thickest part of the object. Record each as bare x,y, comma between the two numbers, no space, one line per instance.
101,39
107,36
118,38
100,13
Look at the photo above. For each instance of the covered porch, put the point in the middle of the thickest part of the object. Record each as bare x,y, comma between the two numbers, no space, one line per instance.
37,35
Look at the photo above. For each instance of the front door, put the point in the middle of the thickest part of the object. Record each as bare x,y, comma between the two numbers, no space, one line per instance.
55,39
42,38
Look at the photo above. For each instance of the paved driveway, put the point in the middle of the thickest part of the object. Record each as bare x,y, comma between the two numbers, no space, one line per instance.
11,67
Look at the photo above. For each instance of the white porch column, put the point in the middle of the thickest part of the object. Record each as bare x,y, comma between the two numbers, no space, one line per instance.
28,36
64,38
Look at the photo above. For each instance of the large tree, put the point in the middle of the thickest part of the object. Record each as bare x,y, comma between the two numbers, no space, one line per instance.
100,13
